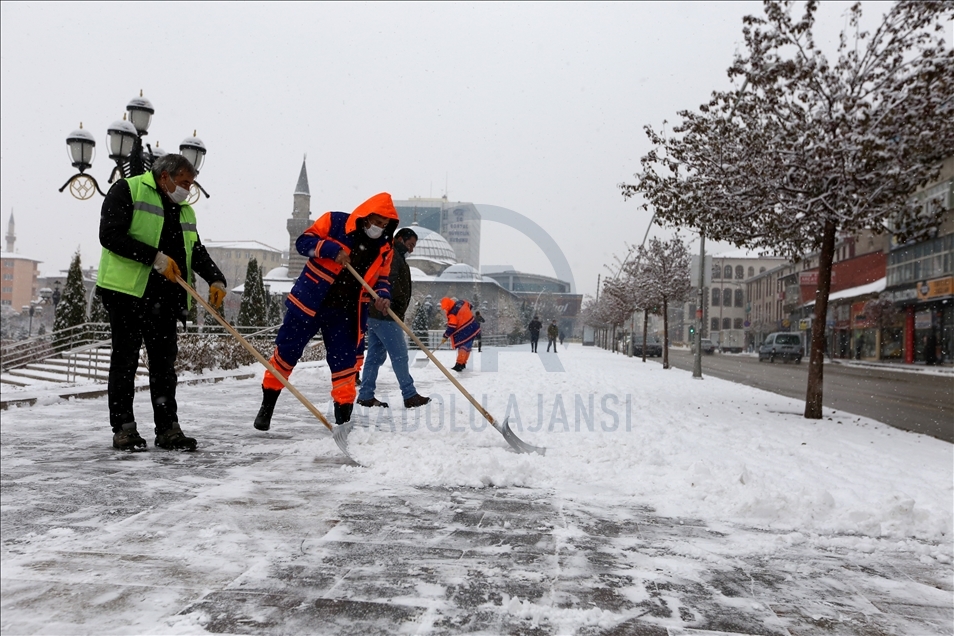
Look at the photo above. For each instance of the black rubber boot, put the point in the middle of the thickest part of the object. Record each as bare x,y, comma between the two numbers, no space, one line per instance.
415,401
128,438
263,421
173,438
343,413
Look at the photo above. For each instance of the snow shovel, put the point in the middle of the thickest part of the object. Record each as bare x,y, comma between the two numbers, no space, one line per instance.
422,362
338,433
502,427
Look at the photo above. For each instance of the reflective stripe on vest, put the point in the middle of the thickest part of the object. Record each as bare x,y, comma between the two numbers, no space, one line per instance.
128,276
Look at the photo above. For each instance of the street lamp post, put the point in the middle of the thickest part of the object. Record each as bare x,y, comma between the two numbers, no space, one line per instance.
55,297
32,311
126,148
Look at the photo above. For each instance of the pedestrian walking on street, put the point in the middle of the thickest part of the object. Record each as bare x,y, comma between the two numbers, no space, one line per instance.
149,238
461,330
385,338
480,334
327,298
552,332
535,326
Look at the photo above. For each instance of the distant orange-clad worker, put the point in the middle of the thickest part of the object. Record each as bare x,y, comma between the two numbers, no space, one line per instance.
461,330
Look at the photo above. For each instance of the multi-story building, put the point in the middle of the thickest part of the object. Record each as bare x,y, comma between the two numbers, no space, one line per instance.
544,295
19,274
920,282
857,276
19,285
729,306
458,222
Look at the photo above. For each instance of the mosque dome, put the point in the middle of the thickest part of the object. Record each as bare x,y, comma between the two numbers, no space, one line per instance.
433,253
461,272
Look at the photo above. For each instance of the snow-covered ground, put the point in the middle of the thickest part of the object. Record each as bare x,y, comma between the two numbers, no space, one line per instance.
651,481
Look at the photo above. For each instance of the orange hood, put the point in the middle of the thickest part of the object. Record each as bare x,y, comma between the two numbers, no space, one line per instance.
447,304
378,204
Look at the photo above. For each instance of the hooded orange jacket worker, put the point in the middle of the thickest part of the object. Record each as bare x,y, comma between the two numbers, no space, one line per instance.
327,298
461,330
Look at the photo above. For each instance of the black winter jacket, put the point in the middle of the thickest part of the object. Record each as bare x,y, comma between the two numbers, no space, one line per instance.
400,278
114,222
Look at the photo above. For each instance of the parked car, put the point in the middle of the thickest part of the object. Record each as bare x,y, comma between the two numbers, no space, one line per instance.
653,346
785,346
707,346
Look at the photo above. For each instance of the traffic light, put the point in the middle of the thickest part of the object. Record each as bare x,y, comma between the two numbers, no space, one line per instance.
692,331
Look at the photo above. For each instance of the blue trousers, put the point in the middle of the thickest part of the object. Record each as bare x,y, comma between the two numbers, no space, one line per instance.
385,338
339,331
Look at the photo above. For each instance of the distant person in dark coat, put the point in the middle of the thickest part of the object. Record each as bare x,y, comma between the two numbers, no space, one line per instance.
480,340
552,332
535,326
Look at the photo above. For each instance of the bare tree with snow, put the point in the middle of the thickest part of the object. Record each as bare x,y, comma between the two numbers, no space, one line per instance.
813,147
661,276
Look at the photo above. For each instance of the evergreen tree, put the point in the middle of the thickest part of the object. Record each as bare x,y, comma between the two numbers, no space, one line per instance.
71,310
274,311
422,318
98,313
254,309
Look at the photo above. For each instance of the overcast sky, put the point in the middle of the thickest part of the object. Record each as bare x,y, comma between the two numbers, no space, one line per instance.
535,107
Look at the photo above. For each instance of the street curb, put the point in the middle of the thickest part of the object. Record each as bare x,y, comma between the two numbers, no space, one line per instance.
908,368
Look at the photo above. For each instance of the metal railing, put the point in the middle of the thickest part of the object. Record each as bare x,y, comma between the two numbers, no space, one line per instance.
75,357
77,345
39,348
433,338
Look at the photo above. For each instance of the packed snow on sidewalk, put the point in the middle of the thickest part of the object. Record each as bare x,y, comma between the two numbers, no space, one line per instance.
618,433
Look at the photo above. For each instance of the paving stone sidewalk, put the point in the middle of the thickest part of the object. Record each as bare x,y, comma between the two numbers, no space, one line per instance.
150,538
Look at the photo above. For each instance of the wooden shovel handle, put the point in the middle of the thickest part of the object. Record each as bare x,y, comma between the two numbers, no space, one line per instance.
417,341
245,343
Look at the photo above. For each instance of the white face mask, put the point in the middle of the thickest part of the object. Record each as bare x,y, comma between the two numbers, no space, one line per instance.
179,195
374,231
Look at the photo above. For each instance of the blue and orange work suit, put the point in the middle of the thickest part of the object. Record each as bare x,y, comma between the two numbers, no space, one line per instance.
341,316
462,329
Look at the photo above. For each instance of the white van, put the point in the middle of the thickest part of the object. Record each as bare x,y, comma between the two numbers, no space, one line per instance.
785,346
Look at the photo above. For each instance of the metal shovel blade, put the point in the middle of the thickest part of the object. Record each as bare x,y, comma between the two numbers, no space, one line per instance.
421,362
515,442
340,435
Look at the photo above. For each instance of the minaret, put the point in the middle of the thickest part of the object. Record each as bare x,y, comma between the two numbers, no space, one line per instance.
299,222
11,236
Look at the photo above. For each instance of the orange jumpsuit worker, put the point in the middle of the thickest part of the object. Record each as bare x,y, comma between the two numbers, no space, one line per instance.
327,298
461,330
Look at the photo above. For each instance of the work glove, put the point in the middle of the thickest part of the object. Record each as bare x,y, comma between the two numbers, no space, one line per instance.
166,266
217,295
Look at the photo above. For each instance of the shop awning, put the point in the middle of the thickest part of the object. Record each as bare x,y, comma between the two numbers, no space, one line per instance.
856,292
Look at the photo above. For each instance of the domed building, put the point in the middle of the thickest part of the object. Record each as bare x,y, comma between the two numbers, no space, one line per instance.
433,254
461,272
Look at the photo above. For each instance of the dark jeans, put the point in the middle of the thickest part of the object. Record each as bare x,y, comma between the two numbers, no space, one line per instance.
534,337
551,341
134,321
